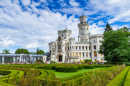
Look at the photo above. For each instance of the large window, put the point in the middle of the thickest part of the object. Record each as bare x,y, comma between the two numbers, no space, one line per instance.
86,54
59,46
76,47
94,46
95,53
89,47
83,54
80,54
79,48
83,47
86,47
59,39
76,54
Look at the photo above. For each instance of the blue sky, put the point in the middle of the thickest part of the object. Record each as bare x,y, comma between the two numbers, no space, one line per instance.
32,24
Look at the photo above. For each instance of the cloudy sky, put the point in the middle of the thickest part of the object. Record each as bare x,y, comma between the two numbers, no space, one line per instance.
32,24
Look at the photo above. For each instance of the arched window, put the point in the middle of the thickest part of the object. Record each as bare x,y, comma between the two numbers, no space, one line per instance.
59,39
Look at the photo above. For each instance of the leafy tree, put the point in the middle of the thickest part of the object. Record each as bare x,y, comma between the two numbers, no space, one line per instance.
5,52
126,30
116,46
108,27
38,51
21,51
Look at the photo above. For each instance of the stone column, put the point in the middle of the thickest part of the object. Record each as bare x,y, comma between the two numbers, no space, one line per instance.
3,58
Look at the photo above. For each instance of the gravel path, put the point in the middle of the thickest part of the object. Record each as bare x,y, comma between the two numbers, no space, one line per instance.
1,75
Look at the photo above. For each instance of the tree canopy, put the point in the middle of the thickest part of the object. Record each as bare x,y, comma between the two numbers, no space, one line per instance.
115,46
126,30
38,51
108,28
21,51
5,51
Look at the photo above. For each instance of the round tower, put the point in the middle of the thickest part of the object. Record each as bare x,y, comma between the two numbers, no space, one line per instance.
83,19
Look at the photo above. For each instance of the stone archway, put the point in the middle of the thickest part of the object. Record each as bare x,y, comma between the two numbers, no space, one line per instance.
59,58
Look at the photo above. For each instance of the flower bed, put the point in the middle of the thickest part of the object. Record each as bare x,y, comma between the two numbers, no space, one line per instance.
119,79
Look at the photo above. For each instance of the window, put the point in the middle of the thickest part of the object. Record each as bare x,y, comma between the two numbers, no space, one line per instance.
68,48
59,39
100,54
59,46
81,28
76,54
62,35
86,54
95,53
89,47
72,53
83,54
86,47
87,28
100,41
79,48
83,47
76,47
72,47
94,46
80,54
94,41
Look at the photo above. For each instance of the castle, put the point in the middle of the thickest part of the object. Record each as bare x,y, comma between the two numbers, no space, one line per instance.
67,49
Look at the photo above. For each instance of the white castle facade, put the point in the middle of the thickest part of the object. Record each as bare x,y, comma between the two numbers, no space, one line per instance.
67,49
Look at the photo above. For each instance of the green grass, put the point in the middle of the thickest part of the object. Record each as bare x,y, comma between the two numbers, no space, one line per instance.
64,75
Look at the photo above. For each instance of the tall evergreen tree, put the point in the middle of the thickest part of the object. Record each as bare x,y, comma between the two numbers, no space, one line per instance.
108,28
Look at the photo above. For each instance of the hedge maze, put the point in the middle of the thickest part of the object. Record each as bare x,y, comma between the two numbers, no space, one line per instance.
44,75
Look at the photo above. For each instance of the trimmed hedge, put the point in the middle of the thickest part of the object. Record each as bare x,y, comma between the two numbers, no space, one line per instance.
67,69
4,72
80,67
48,67
101,66
119,79
88,60
127,80
89,66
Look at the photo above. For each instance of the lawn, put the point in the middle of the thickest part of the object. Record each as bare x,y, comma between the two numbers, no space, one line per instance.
63,74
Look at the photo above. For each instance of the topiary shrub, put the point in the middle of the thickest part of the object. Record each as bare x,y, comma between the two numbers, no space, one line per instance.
52,62
67,69
80,67
89,66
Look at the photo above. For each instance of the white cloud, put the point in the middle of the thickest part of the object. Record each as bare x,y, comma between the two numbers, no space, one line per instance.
115,27
100,23
27,30
73,3
95,29
125,16
6,42
26,2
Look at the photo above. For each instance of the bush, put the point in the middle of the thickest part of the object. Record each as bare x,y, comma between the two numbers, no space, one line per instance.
66,69
119,79
89,66
48,67
2,72
52,62
88,60
39,60
80,67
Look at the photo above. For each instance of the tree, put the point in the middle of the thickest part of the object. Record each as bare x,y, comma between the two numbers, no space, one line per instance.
115,46
38,51
126,30
108,27
21,51
5,52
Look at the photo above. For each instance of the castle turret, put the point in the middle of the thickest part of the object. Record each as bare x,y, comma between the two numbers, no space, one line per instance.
83,29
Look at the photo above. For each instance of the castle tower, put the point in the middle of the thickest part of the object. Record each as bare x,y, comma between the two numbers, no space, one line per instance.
83,29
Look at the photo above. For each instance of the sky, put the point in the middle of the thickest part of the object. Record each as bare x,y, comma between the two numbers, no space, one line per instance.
32,24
